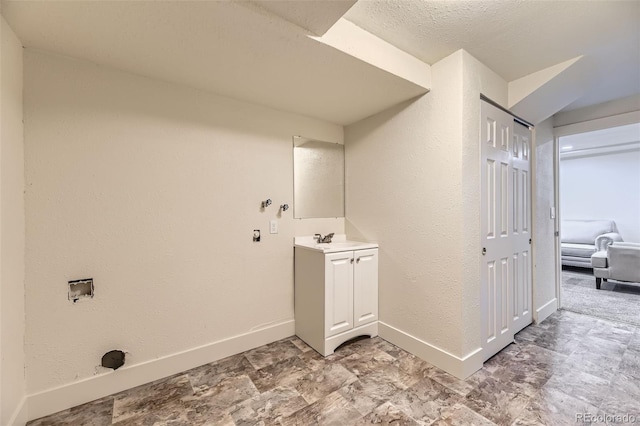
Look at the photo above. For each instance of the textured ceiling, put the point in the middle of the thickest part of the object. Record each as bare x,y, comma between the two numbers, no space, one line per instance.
236,49
516,38
259,51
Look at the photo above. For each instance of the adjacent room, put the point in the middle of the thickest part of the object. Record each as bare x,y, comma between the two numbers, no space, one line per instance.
600,205
341,212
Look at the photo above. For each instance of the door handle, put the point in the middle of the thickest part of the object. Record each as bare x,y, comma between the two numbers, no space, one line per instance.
484,251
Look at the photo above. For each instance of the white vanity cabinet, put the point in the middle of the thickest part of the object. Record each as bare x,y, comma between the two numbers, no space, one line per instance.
336,294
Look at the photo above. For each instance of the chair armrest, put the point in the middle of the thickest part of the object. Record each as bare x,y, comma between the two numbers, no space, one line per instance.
599,259
605,240
624,262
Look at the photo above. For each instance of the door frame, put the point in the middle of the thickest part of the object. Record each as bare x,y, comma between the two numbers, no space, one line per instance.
572,129
556,224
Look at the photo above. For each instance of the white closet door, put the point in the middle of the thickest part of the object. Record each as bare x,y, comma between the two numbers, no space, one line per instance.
521,302
506,290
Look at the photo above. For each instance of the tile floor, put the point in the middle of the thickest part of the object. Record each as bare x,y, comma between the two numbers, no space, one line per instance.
570,364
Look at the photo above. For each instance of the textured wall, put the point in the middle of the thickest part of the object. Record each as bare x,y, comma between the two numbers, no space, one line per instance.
477,79
12,232
605,186
412,186
403,191
154,191
545,246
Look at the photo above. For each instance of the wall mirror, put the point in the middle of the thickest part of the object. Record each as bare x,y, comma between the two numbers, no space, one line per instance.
318,178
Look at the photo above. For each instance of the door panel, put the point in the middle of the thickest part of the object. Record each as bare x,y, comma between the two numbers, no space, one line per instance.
522,309
490,205
365,287
504,200
497,228
505,283
338,293
489,289
505,221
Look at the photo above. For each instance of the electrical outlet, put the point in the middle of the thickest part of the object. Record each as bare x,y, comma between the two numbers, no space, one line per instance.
273,226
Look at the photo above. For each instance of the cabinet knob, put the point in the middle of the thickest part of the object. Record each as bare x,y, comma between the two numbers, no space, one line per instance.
352,260
358,261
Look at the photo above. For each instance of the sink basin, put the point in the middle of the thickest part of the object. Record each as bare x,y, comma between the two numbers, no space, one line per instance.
339,243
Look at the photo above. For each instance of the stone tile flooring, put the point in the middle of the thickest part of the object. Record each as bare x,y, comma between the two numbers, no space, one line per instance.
569,365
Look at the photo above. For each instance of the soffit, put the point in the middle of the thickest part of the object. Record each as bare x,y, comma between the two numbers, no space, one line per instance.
316,16
235,49
517,38
627,135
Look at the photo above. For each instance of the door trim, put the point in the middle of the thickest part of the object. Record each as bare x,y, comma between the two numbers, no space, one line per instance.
500,107
601,123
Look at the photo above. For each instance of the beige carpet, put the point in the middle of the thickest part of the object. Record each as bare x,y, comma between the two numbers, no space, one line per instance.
615,300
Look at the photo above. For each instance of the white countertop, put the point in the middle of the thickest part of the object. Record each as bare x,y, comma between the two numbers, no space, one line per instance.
338,243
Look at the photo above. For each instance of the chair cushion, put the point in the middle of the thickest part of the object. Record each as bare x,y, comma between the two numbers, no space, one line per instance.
585,231
581,262
599,259
577,250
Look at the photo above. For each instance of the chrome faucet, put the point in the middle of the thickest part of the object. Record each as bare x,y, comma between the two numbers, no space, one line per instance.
325,239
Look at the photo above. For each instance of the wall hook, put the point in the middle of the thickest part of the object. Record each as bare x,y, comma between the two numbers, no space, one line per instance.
284,207
266,203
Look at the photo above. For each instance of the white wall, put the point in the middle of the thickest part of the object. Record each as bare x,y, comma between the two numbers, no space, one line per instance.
606,109
412,186
154,191
404,205
605,186
545,301
12,231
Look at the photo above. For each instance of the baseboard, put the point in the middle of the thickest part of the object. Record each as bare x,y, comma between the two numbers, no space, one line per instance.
452,364
57,399
19,417
547,309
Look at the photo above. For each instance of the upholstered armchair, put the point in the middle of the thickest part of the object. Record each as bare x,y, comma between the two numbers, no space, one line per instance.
620,262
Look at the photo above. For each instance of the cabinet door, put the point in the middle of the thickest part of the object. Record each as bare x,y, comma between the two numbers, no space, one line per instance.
338,304
365,287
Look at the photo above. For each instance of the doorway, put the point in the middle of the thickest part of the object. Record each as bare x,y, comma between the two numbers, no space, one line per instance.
598,169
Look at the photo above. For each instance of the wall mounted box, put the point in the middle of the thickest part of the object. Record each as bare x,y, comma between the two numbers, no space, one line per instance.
80,289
